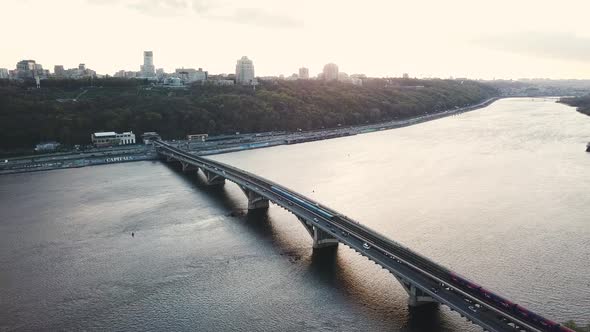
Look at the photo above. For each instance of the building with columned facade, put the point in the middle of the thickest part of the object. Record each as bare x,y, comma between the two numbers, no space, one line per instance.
111,138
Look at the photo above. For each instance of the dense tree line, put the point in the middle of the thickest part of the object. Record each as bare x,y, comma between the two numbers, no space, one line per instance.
582,103
69,111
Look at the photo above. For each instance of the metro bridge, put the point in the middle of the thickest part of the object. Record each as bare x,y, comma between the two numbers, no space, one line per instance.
425,281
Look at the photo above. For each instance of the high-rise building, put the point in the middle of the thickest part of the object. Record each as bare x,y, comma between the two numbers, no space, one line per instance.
59,71
245,71
82,66
4,73
29,69
26,65
25,69
303,73
330,72
147,69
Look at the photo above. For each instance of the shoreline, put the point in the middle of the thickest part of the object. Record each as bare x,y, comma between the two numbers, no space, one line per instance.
323,134
61,160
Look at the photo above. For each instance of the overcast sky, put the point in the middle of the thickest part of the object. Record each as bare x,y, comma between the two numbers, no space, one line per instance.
460,38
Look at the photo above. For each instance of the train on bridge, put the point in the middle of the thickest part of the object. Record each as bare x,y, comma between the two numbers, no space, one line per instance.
521,311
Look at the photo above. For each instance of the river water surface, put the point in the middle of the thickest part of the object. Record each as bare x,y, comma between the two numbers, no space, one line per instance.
501,195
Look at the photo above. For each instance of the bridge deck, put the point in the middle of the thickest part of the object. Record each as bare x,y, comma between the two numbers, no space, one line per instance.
427,277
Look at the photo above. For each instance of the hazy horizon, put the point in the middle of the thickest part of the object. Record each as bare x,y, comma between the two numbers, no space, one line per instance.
458,38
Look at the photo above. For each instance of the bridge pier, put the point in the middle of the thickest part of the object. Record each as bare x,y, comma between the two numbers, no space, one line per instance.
323,239
416,297
255,201
320,238
213,178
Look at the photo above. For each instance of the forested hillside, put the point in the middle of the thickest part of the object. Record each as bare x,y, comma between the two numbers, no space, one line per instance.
69,111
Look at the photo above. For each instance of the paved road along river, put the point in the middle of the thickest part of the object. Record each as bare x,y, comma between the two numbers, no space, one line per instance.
500,194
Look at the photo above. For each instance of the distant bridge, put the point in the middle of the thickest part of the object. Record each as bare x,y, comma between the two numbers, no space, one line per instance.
425,281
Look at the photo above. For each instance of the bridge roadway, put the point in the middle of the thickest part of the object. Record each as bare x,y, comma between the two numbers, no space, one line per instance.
425,281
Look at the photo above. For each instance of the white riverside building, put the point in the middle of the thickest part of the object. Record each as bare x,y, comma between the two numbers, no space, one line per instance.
110,138
245,71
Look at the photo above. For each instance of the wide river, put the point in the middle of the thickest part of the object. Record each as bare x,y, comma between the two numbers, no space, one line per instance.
501,195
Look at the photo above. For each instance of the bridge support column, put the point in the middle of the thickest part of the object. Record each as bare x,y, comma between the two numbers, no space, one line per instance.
323,239
255,201
188,167
320,238
416,296
213,178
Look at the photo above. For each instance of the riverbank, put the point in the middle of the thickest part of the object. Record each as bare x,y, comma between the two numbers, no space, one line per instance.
255,142
582,104
76,159
215,145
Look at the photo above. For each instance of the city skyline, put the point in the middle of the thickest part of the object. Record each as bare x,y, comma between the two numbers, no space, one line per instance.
149,69
302,73
380,38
